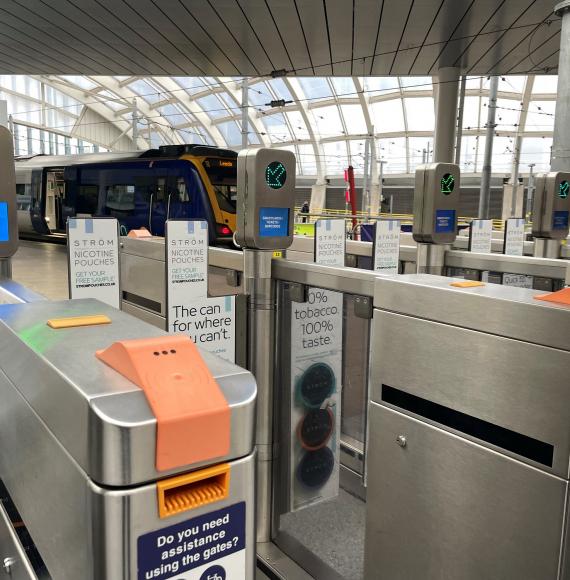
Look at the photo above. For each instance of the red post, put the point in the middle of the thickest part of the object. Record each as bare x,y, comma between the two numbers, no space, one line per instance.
352,189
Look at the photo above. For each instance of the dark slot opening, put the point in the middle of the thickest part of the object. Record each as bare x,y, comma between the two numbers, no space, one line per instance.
494,434
141,301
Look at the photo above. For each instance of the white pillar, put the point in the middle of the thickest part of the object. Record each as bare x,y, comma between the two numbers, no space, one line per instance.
4,114
135,126
445,114
318,197
244,114
485,193
561,138
460,108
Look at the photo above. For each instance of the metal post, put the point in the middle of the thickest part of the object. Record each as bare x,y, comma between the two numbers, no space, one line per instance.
514,179
459,136
6,268
373,173
546,248
15,130
135,126
485,193
381,185
260,289
365,199
530,193
561,137
149,129
515,174
446,114
4,114
430,259
244,114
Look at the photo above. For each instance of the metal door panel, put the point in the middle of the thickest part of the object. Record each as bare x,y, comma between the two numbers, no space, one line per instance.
446,508
13,558
509,383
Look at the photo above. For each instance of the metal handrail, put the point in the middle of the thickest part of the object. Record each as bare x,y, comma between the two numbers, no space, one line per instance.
346,280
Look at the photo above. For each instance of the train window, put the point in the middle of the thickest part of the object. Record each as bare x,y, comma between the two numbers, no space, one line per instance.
160,192
223,177
182,190
120,199
24,192
226,196
87,199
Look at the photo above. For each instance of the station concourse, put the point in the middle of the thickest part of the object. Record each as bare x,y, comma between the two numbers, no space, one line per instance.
284,290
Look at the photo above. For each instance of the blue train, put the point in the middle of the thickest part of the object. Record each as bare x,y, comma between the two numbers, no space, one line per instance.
139,189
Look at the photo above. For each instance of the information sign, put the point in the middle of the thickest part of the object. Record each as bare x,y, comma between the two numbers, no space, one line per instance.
210,322
316,380
386,248
480,236
514,237
207,547
93,257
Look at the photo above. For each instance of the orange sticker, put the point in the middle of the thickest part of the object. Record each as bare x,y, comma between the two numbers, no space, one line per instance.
467,284
192,414
560,297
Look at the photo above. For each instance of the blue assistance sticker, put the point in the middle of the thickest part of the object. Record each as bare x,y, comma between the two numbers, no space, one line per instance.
208,547
273,221
444,221
560,220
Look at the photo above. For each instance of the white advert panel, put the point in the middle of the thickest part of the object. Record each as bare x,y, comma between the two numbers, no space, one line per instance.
330,242
316,380
480,236
210,322
514,237
93,254
386,250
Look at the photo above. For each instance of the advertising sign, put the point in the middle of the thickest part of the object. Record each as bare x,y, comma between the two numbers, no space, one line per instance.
386,249
210,322
514,237
316,374
93,256
480,236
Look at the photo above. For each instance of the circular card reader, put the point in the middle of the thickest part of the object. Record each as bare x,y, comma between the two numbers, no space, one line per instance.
316,467
316,384
447,183
315,428
275,175
563,189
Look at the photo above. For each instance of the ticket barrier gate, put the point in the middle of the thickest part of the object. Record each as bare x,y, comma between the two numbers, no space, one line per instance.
547,274
469,409
113,471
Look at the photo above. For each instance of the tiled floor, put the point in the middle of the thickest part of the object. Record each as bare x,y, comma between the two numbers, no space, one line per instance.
42,268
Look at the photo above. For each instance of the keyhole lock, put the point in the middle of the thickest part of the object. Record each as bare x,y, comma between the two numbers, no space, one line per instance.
8,563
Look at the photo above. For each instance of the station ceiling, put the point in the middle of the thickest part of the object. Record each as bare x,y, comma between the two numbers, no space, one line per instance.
296,37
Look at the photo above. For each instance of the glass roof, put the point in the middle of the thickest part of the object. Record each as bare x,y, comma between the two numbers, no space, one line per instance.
325,121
